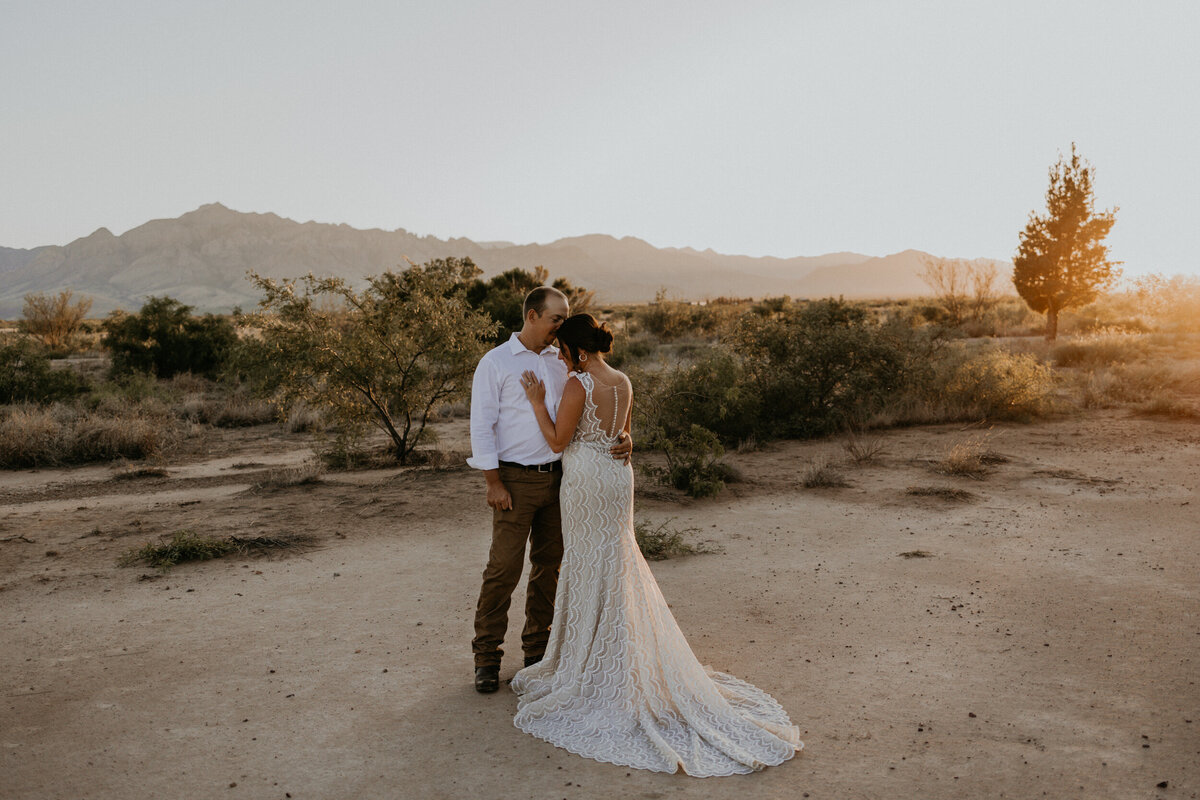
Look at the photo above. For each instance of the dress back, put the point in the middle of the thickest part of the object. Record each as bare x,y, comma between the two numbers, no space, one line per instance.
605,409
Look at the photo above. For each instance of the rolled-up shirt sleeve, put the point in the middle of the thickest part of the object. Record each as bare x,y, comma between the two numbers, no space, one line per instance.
485,413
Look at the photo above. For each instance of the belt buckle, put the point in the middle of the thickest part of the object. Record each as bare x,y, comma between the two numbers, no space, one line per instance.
545,467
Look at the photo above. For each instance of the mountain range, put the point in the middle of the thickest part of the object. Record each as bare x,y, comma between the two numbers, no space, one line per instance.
201,258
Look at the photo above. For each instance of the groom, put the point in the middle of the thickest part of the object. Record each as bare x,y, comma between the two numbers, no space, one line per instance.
523,476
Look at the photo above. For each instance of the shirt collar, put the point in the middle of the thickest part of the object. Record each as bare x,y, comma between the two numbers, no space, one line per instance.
516,348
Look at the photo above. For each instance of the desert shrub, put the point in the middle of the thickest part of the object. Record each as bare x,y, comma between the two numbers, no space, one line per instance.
386,356
1171,407
164,339
254,363
965,290
132,390
672,319
1133,383
996,384
27,377
693,462
234,409
771,305
1098,349
712,393
54,319
1173,302
1014,318
813,368
628,350
36,437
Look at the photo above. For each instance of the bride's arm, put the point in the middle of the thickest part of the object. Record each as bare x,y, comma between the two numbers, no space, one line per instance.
558,431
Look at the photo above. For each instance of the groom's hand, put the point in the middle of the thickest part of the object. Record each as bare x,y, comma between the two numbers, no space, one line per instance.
497,493
623,449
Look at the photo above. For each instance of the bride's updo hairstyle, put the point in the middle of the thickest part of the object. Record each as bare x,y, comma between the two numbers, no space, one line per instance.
582,333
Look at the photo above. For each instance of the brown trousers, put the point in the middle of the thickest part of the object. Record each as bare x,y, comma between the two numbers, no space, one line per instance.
534,516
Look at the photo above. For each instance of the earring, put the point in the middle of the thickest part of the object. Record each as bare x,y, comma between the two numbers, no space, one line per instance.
582,357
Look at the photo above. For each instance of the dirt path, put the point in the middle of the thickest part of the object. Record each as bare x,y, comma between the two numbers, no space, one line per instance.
1046,645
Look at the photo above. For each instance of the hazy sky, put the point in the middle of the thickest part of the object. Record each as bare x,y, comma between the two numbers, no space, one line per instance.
781,128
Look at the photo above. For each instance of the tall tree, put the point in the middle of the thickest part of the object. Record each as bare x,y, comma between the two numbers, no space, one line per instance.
1062,261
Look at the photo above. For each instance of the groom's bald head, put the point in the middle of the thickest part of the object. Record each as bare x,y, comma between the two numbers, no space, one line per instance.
538,299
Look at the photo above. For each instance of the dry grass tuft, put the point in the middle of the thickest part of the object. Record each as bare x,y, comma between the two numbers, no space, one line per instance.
34,437
187,545
966,460
303,418
135,473
1169,407
822,475
941,493
438,459
662,542
750,444
307,474
236,410
861,448
1102,348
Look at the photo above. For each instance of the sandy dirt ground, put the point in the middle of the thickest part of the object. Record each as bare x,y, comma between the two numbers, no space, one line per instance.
1047,646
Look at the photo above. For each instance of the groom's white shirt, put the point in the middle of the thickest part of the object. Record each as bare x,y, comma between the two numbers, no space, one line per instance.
503,425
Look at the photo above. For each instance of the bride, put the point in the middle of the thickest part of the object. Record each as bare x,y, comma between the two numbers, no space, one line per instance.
618,682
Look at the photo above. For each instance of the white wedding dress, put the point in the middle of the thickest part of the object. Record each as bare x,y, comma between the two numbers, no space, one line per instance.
618,682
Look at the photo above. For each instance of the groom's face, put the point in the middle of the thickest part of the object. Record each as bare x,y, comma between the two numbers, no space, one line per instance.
545,327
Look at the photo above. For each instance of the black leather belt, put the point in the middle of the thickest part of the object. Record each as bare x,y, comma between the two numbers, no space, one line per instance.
553,466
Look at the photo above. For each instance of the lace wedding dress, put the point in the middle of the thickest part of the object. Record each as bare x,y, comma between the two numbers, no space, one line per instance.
618,682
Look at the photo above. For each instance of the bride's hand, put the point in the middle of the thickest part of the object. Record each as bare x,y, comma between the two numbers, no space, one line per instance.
535,390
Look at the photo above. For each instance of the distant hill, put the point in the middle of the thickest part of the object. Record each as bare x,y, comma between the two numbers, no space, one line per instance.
201,258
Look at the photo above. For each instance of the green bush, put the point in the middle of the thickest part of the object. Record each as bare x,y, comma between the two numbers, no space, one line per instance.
712,393
814,367
254,363
388,355
673,319
27,377
627,350
164,339
693,463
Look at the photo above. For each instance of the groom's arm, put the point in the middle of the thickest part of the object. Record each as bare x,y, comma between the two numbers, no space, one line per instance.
485,414
623,449
497,493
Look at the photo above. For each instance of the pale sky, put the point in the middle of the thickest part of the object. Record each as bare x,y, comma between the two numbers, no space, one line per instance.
765,128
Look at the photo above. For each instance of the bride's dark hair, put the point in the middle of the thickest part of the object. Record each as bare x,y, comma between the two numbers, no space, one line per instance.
581,333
